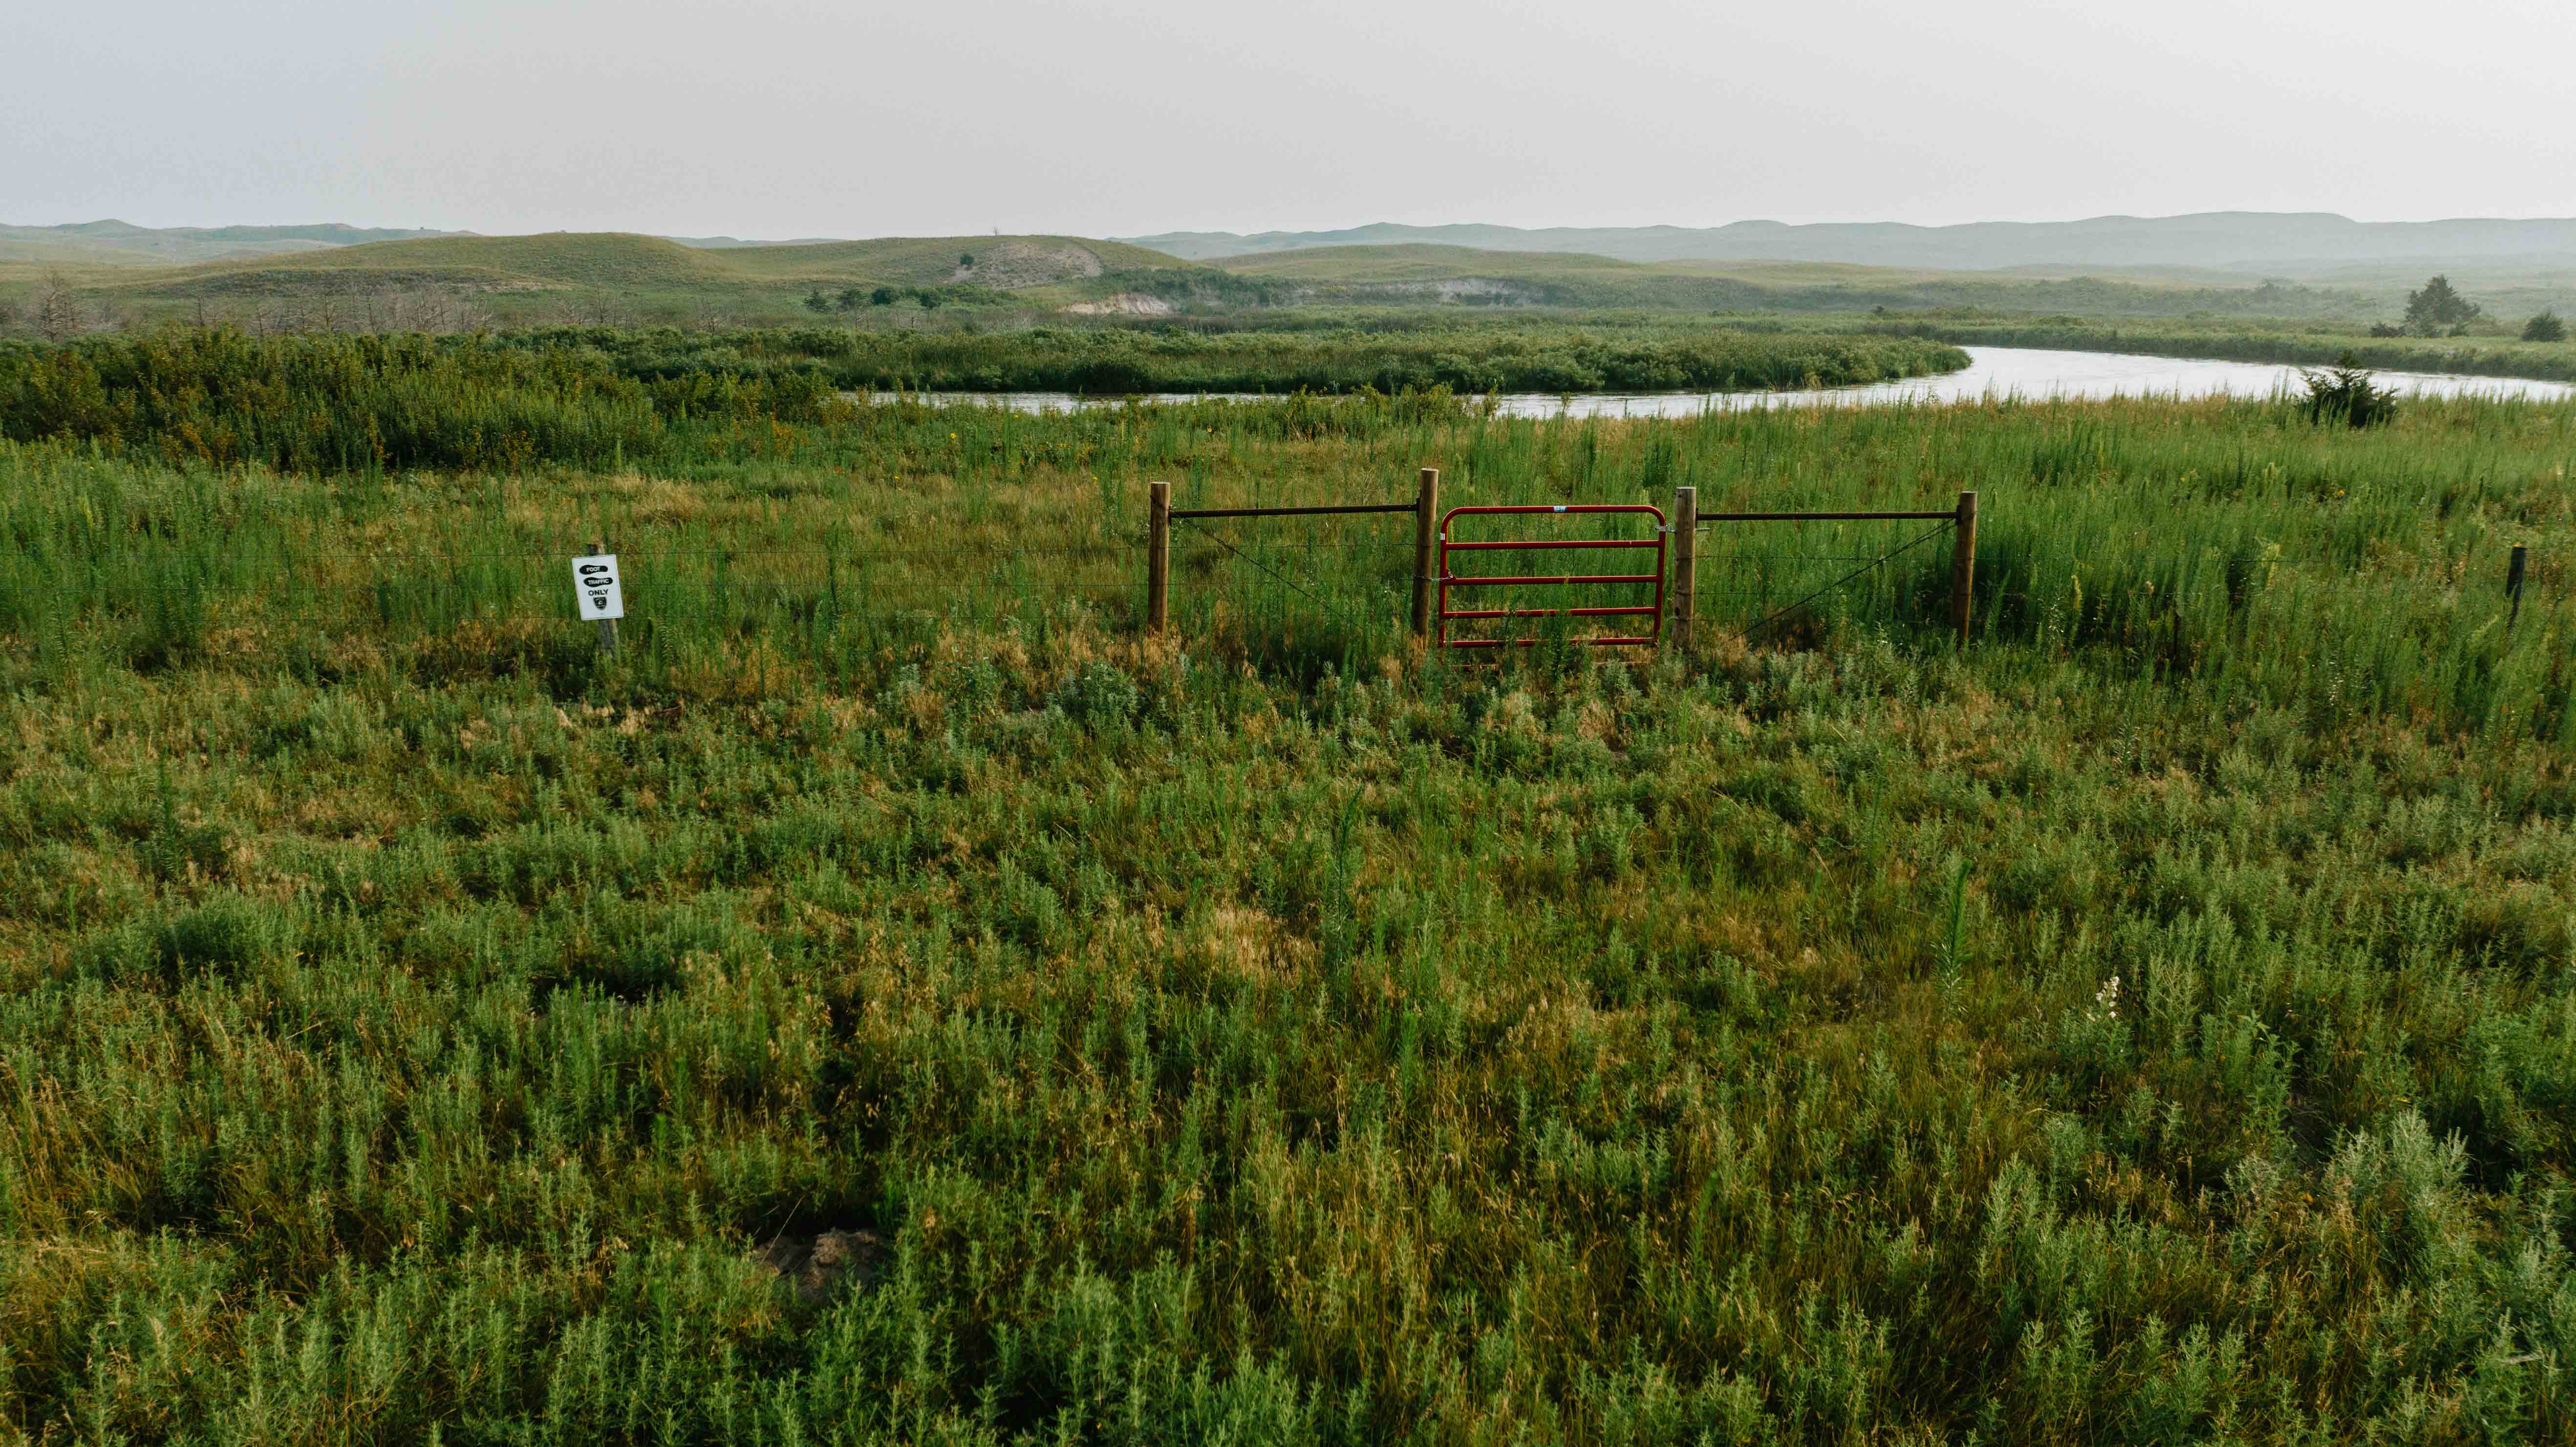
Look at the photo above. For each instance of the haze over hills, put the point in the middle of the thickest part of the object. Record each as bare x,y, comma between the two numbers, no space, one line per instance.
332,272
2307,245
121,243
2293,243
113,242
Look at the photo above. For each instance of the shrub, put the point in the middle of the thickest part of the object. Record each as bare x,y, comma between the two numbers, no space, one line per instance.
2344,393
2545,327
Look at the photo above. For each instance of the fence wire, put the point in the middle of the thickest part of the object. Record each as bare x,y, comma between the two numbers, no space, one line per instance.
513,586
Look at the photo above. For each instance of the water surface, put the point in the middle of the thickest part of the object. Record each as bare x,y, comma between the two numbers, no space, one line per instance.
2029,373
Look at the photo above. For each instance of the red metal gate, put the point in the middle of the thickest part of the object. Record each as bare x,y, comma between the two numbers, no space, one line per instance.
1450,579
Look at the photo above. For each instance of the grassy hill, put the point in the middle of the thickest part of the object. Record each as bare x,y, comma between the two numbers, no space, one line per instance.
639,277
2294,245
110,243
1004,262
627,279
474,262
22,250
1417,272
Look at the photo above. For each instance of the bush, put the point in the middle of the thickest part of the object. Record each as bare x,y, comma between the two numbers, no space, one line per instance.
2545,327
2344,393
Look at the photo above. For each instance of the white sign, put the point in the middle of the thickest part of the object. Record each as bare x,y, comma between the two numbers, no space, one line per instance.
594,584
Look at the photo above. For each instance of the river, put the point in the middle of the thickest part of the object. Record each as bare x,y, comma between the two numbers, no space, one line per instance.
2029,373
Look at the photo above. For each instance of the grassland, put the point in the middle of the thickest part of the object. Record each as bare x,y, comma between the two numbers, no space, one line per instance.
1382,275
594,397
591,277
1403,353
516,281
2155,1024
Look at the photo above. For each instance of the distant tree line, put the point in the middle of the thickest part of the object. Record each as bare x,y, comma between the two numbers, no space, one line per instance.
2439,310
928,298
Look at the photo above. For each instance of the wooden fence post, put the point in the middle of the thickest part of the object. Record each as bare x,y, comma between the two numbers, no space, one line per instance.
1158,555
1426,529
2513,583
607,626
1963,567
1685,591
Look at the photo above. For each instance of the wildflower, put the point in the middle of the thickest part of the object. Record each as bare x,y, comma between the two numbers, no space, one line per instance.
2108,998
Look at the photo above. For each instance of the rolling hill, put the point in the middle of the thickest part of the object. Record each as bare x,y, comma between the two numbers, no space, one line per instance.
1006,262
623,278
2276,244
112,243
1416,273
466,263
625,264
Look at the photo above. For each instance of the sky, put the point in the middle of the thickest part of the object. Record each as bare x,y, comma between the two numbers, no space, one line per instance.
792,118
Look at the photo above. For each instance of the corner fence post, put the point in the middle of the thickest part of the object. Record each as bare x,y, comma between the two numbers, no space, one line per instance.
1963,566
2513,583
1158,555
1685,593
1426,527
607,626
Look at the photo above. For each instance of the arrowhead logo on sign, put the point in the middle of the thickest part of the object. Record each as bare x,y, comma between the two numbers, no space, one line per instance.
594,585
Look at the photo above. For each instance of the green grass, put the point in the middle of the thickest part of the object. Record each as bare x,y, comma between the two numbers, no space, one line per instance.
932,260
599,397
1396,274
619,262
1422,353
592,276
631,279
411,1022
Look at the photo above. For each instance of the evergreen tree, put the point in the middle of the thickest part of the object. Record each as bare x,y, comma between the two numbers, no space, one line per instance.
2545,327
2437,308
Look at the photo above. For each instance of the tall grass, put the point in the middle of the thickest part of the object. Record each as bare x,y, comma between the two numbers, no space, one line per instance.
1563,357
367,403
411,1023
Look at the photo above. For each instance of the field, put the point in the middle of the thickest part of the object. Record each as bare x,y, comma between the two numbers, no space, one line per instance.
461,282
592,278
600,395
1384,275
2155,1023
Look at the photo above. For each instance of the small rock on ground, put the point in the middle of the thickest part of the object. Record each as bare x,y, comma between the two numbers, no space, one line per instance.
824,1264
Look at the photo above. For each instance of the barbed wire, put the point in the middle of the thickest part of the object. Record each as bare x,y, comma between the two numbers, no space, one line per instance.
1880,561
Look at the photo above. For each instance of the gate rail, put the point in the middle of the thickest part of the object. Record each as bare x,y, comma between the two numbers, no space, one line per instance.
1450,579
1433,578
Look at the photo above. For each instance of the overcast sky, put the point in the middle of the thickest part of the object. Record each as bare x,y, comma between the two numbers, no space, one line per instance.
780,118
